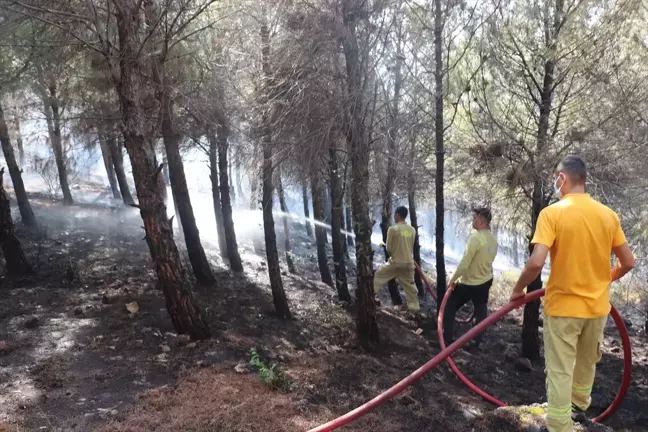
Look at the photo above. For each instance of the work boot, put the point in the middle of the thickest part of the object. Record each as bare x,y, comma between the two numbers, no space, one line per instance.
578,415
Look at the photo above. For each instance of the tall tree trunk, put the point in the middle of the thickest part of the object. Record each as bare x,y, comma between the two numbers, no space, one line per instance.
131,86
26,212
117,158
110,167
531,321
411,198
222,136
237,170
165,170
343,227
317,192
359,149
171,137
440,151
284,217
327,212
278,294
309,229
337,205
19,140
254,179
216,195
516,251
53,115
17,264
349,224
229,177
392,140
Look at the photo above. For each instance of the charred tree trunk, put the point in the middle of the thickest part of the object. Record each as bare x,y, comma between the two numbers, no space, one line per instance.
309,228
516,251
320,232
229,177
237,170
411,198
531,320
337,240
110,167
218,211
327,212
276,284
343,227
53,115
26,212
440,151
349,225
411,201
19,141
359,149
530,324
17,264
392,139
117,158
284,217
171,138
165,170
222,136
131,85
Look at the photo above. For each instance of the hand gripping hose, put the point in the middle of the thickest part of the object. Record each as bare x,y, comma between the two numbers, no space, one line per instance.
454,347
627,364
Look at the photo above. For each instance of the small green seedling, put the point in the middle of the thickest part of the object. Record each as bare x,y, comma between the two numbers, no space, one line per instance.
273,376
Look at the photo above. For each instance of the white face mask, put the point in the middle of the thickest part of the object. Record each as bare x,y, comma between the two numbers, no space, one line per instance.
557,188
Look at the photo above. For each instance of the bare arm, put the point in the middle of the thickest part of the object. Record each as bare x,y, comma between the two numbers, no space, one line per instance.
531,270
625,262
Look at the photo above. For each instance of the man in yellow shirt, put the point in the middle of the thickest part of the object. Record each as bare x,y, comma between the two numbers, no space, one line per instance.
400,247
580,234
474,275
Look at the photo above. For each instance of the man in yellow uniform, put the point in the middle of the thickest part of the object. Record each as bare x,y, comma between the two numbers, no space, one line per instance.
581,234
400,247
474,275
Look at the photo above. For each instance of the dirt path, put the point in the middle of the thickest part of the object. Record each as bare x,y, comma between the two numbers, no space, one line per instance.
72,358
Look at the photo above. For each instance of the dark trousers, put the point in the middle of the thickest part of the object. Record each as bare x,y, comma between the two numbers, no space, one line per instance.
459,297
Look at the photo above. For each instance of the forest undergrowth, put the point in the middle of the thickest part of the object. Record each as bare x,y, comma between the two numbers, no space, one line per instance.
86,344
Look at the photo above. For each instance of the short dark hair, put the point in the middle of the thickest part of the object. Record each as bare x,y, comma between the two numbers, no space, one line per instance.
574,167
402,212
485,213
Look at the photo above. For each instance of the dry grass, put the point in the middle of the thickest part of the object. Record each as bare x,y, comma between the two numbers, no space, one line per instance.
214,399
218,399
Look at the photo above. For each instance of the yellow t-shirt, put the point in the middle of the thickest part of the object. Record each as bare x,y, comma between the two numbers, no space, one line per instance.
580,234
476,266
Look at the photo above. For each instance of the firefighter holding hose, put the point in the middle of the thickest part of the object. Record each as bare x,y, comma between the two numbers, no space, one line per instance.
474,276
580,234
400,247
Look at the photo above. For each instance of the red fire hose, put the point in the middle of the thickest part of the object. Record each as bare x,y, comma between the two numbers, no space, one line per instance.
454,347
428,285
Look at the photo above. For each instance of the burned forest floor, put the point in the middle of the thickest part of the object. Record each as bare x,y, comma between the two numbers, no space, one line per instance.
86,344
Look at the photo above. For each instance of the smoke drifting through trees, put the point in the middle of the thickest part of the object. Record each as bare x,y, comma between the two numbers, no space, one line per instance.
364,105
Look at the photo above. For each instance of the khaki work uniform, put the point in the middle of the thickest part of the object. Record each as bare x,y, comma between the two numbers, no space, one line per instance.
400,247
580,234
